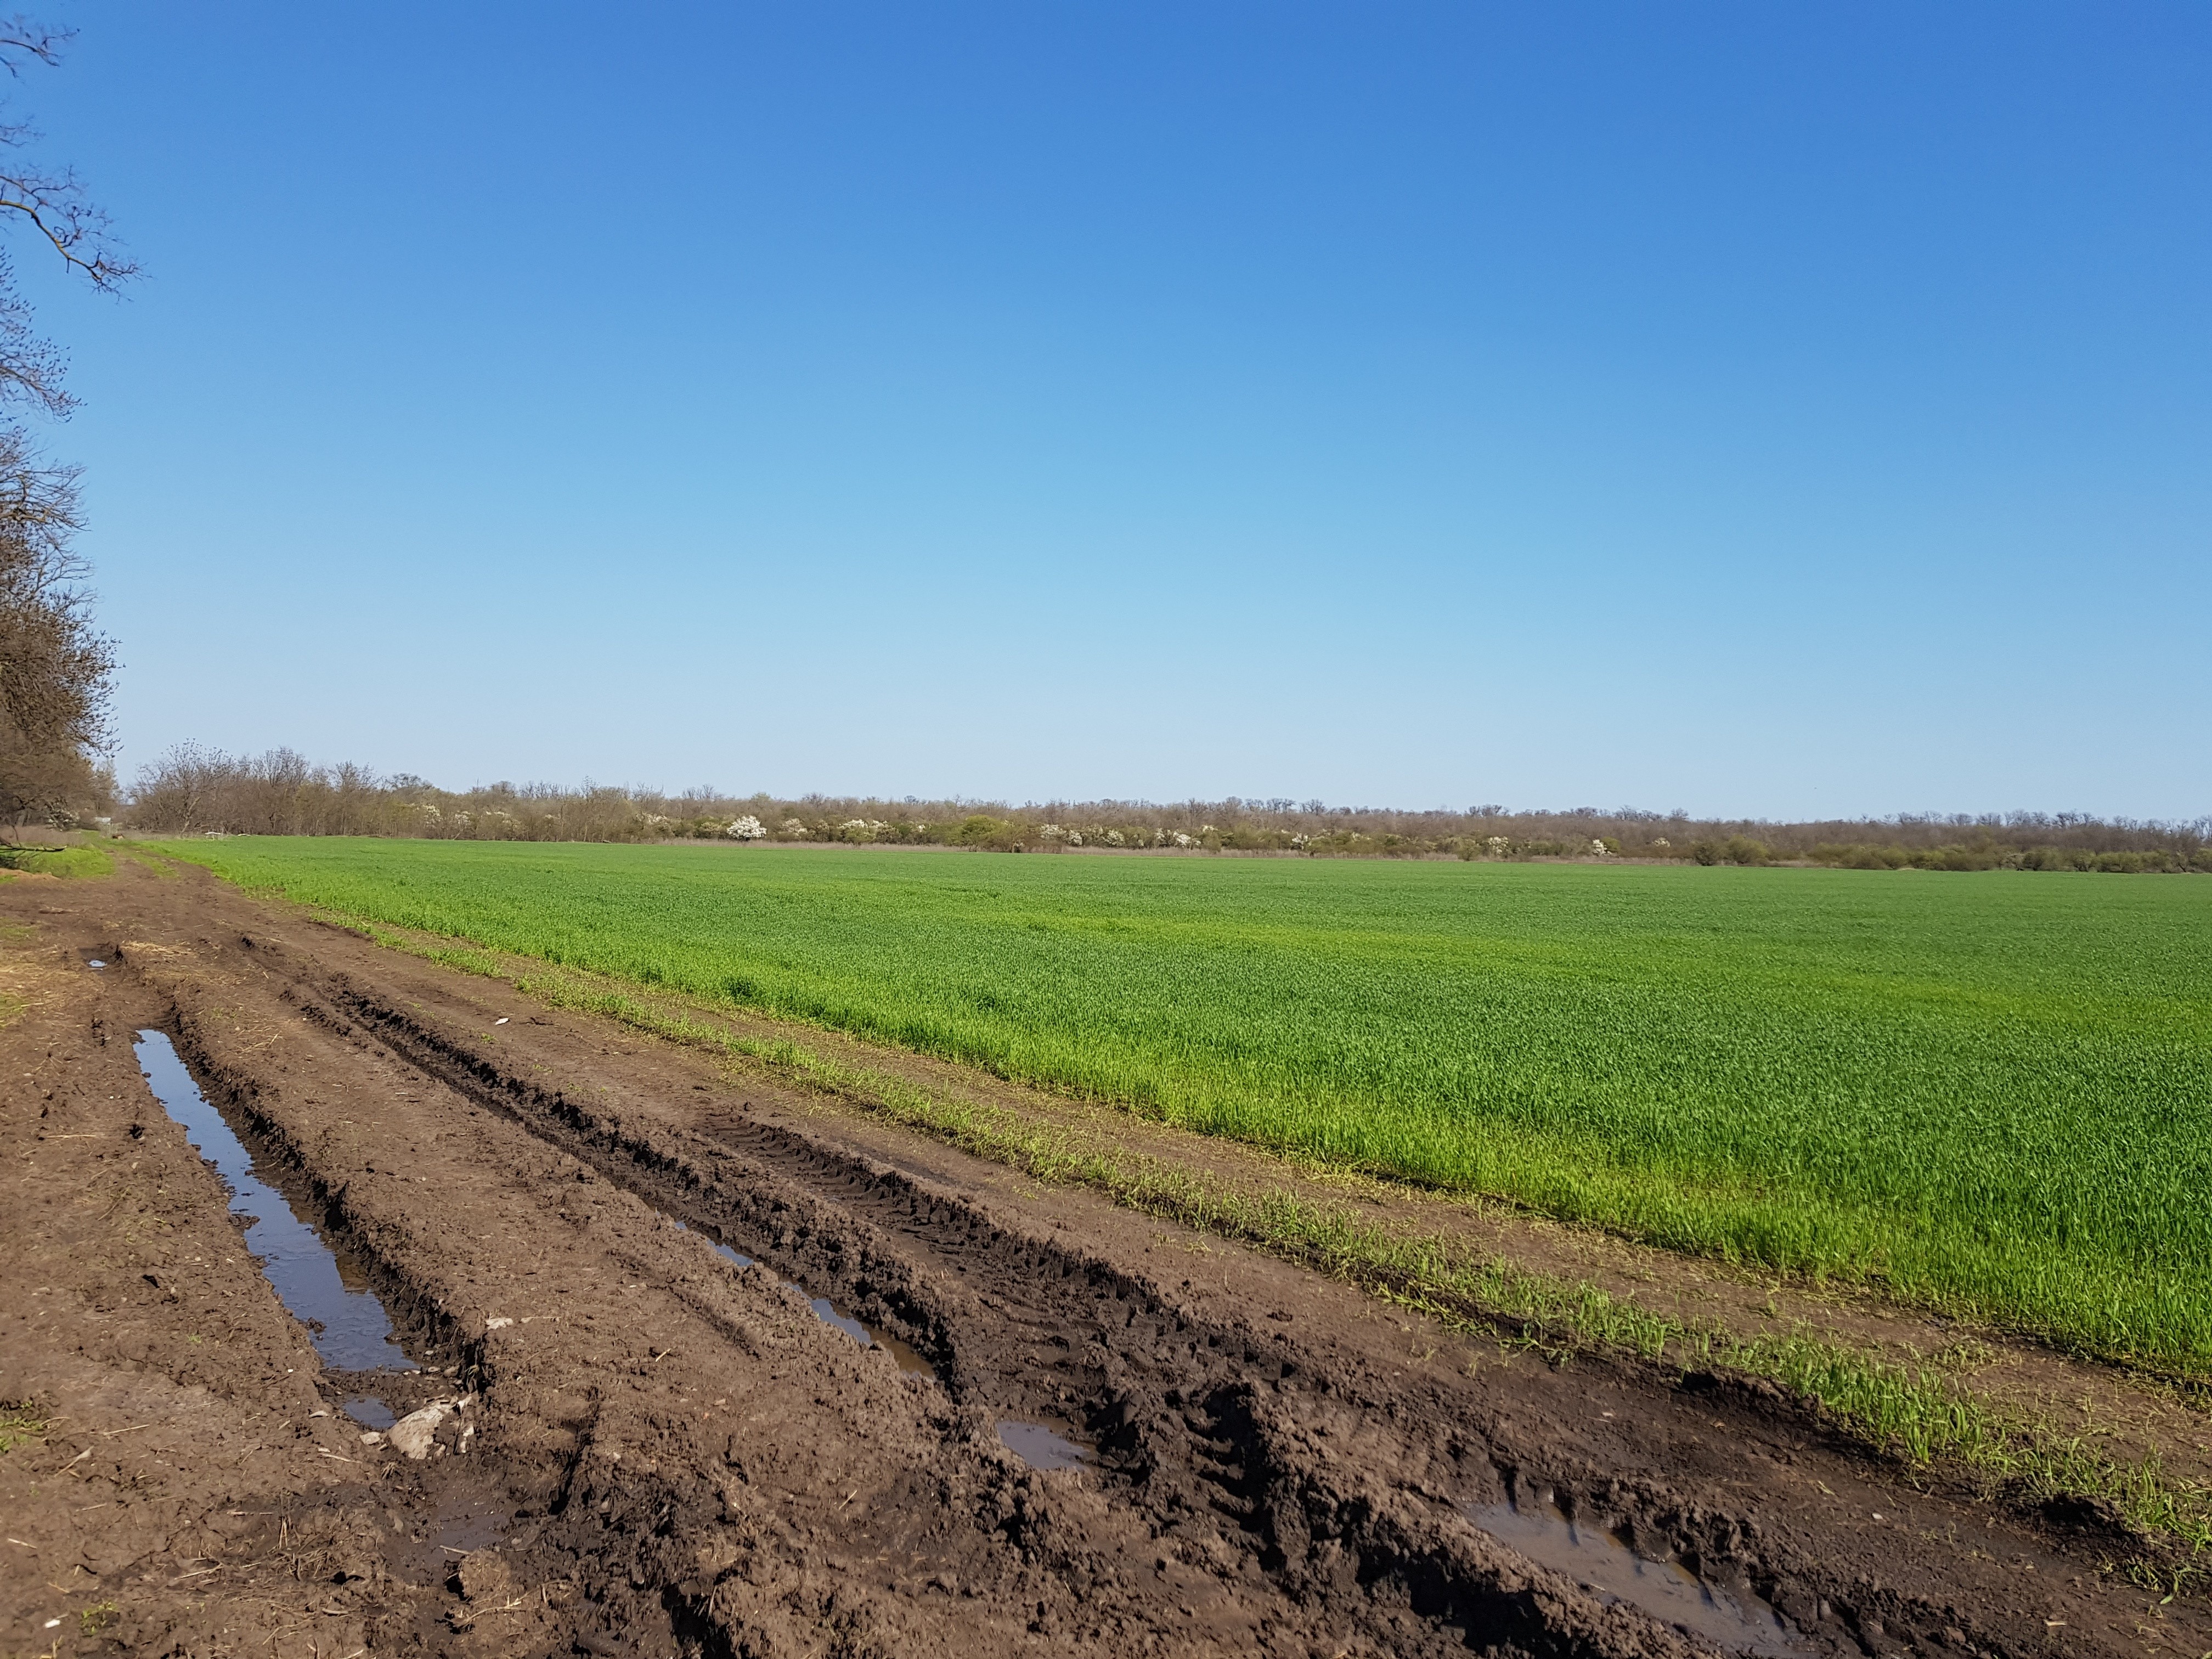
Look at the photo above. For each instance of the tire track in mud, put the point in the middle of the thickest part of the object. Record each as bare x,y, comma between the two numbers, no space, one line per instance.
590,1434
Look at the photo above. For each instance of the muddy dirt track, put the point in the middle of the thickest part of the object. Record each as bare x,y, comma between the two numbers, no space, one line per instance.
1030,1422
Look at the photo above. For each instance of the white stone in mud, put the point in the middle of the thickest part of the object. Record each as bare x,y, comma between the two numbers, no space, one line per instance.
416,1432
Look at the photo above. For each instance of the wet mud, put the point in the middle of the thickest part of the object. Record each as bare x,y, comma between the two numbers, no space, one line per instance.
831,1315
700,1368
1602,1561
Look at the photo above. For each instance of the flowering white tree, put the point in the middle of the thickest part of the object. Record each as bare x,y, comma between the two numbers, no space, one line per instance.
747,828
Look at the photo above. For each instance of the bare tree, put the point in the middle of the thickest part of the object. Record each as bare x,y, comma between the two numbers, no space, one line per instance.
55,667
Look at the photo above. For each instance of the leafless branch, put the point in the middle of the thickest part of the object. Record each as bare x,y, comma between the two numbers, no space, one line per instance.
30,368
55,202
22,38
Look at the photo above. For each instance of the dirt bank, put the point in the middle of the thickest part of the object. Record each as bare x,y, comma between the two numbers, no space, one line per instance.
634,1443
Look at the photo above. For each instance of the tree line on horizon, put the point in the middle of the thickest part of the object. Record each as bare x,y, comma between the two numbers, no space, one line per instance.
193,791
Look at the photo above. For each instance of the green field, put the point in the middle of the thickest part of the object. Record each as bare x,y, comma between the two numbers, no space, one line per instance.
1991,1092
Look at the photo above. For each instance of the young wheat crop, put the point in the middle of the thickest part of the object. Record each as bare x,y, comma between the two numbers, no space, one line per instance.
1987,1093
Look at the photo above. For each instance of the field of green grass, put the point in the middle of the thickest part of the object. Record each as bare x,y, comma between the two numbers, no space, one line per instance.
1989,1092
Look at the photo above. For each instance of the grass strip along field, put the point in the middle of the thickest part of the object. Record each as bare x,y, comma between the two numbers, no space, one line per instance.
70,861
1989,1092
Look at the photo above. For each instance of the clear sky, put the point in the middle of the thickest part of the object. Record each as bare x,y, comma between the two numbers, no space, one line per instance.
1775,410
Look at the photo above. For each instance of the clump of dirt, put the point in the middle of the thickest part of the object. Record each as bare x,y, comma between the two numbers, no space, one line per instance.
619,1439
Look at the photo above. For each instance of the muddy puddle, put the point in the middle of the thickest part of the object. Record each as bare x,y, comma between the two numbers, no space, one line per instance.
828,1312
1595,1557
323,1289
1042,1446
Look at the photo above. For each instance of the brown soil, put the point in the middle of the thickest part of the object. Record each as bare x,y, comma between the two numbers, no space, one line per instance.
663,1453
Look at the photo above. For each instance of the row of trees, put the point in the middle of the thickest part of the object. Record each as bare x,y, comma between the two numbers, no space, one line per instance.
195,790
55,666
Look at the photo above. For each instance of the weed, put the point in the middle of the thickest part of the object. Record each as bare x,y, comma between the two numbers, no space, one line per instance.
20,1420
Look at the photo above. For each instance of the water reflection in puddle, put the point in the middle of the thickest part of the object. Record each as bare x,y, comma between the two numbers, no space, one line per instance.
1042,1446
826,1311
1666,1589
325,1291
369,1411
831,1315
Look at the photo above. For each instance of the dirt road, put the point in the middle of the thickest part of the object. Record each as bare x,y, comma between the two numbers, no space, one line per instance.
700,1368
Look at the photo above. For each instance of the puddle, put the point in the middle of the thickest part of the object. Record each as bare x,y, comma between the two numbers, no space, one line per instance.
830,1314
325,1291
1667,1590
1042,1446
369,1411
826,1311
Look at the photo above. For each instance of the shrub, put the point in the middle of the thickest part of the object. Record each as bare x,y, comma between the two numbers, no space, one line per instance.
974,830
2129,864
1860,855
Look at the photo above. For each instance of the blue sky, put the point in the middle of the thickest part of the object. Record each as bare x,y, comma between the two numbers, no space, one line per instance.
1751,409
